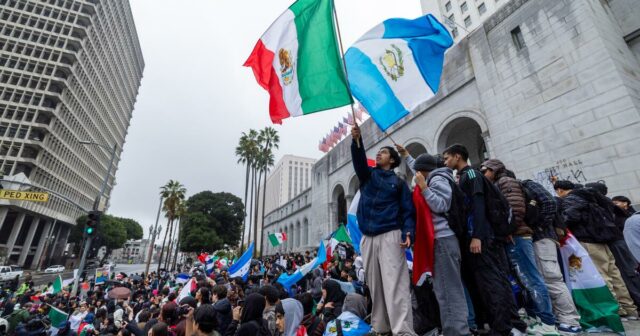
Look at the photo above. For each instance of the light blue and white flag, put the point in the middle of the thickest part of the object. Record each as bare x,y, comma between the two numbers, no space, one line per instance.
210,262
352,223
396,66
241,267
182,278
289,280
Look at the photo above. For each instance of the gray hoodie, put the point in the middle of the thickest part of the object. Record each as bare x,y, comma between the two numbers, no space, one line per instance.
632,234
438,196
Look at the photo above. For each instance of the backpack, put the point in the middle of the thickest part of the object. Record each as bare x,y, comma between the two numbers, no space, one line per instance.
600,218
498,210
456,215
532,205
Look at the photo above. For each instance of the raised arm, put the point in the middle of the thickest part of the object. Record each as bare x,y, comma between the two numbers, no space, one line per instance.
359,156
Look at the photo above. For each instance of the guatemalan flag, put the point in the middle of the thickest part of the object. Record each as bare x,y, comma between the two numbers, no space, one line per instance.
241,267
396,66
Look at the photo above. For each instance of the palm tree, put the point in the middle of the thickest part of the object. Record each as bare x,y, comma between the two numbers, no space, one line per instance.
271,140
181,211
173,194
246,152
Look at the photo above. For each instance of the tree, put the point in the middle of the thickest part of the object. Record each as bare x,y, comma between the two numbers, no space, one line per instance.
173,193
246,151
133,228
268,140
211,220
112,233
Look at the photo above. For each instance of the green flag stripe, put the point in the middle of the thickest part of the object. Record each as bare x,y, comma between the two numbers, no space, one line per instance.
274,241
321,79
341,235
597,308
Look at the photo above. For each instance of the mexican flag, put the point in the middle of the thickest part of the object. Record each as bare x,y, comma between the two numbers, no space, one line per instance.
56,317
297,61
55,287
597,306
277,238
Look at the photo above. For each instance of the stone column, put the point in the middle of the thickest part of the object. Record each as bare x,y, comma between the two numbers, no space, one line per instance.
3,215
46,232
26,247
17,226
348,199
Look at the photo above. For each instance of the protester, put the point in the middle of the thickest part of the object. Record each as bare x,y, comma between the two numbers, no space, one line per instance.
289,314
332,298
437,186
351,322
247,318
589,215
272,296
386,217
314,324
520,250
632,235
222,306
485,258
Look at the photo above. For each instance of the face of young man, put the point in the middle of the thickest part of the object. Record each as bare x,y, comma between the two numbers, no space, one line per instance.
452,160
621,205
280,322
488,173
383,158
562,193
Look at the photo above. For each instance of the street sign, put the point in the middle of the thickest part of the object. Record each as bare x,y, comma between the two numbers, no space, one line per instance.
24,195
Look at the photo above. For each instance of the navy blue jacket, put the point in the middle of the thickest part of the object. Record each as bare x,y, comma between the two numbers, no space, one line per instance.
386,203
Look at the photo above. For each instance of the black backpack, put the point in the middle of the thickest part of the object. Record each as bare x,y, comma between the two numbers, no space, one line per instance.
456,216
532,205
498,210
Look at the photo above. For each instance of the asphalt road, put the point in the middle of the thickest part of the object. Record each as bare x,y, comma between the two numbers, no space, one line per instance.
41,278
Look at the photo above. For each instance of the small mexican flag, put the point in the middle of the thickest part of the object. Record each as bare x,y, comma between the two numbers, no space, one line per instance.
55,287
298,61
597,307
277,238
56,316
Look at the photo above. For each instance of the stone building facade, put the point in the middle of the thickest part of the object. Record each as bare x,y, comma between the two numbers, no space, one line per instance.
69,72
551,87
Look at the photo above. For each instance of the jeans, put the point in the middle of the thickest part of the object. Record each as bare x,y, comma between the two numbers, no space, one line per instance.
522,258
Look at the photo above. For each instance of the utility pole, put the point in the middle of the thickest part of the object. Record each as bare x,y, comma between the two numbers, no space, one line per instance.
96,205
154,231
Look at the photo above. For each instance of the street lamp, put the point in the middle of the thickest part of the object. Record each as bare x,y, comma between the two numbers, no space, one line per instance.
96,205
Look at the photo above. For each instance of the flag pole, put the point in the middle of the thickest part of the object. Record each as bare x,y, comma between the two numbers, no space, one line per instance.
344,65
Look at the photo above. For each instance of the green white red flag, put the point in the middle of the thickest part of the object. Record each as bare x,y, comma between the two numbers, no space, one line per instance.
597,307
297,61
277,238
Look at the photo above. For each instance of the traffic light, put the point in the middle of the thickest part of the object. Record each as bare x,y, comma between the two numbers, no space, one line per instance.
93,221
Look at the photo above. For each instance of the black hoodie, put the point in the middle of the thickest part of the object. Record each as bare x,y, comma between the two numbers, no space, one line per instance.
224,314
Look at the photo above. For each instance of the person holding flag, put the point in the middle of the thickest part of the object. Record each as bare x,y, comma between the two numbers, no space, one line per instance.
438,188
386,217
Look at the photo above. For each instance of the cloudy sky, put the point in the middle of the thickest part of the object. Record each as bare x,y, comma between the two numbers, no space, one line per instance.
196,98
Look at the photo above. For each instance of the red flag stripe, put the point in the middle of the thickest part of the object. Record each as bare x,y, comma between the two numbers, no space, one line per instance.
261,62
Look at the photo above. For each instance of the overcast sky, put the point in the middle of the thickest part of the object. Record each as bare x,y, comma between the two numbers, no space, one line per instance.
196,98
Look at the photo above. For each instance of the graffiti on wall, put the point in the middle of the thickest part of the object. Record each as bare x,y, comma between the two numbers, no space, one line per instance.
564,169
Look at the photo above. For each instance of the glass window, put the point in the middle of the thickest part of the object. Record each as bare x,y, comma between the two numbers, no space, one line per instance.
467,21
447,6
454,32
482,8
464,8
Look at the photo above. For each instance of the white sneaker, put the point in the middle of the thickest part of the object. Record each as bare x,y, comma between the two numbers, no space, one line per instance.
516,332
542,329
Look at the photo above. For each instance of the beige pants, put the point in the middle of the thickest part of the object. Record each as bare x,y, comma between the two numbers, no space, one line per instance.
387,276
547,262
605,263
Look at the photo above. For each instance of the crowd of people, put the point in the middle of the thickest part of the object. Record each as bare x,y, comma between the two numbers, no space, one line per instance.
496,268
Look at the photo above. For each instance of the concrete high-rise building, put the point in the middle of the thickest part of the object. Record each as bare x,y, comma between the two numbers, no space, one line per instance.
69,72
290,176
461,16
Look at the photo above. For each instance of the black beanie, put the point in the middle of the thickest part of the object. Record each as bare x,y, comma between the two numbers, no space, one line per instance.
425,162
